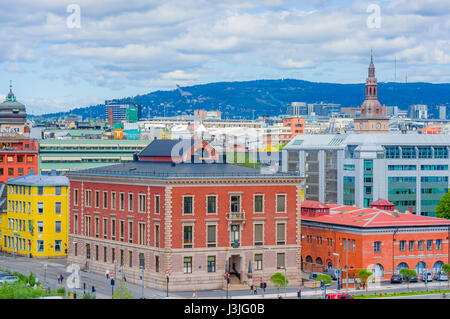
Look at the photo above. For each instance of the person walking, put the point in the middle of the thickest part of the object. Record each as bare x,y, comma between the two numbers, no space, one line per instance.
61,278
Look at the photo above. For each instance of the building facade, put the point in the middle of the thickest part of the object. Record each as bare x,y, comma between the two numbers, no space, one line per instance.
409,170
190,220
383,241
13,115
36,222
18,156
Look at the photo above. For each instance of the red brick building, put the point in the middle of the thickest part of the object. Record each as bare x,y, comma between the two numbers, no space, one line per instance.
18,156
193,219
383,241
297,125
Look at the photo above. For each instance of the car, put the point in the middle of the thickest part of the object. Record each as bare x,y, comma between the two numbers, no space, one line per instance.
427,277
440,276
396,279
4,274
333,273
413,279
313,275
338,296
9,279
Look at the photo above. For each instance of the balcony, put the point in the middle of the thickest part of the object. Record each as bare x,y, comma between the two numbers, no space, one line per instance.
236,216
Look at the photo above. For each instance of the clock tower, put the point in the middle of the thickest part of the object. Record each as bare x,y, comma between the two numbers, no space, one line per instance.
373,119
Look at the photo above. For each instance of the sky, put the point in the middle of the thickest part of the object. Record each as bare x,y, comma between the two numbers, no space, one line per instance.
66,54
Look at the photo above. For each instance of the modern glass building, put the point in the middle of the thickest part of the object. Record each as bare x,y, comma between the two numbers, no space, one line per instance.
409,170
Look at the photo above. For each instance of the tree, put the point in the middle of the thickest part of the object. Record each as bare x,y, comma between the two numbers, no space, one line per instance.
122,292
443,207
279,280
408,274
446,269
324,279
364,275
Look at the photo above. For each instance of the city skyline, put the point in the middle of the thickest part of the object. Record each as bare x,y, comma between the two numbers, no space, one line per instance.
128,49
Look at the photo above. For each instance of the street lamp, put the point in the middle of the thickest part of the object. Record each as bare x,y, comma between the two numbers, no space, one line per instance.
339,272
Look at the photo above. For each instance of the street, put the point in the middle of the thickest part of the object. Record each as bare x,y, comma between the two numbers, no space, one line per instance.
104,290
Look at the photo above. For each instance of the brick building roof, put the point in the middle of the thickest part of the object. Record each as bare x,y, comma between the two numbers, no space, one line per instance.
374,218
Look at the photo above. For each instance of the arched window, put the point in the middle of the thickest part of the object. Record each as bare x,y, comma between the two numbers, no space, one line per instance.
401,266
319,261
420,268
309,259
378,271
437,267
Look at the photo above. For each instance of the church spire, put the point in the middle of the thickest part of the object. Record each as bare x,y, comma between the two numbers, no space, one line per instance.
11,96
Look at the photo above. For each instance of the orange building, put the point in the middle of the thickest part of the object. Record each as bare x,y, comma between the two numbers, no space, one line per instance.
18,156
297,125
383,241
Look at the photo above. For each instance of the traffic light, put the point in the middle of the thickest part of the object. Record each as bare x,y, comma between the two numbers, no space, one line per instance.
261,285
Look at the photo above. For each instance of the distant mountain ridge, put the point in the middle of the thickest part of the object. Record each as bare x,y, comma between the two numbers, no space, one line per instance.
271,97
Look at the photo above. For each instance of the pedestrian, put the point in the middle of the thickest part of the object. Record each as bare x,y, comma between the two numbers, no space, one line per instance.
61,278
251,289
58,278
255,291
107,274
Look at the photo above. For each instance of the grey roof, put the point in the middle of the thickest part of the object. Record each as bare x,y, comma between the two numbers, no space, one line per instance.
182,170
168,148
340,141
39,180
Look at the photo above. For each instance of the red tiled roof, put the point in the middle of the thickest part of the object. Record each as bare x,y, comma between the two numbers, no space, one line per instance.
370,218
312,204
382,202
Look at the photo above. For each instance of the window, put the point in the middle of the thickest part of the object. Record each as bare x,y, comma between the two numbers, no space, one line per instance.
88,226
113,229
58,190
258,261
281,234
157,264
235,234
411,245
187,265
105,254
156,235
113,200
141,206
97,227
75,197
105,228
97,199
58,208
122,201
258,238
280,260
420,245
409,152
75,223
187,205
354,245
157,204
40,208
211,263
40,246
211,235
130,232
438,244
187,236
402,245
130,259
235,204
258,206
141,260
130,202
96,252
429,245
113,255
58,246
377,246
212,204
105,200
88,198
40,190
141,233
121,230
281,203
40,226
57,226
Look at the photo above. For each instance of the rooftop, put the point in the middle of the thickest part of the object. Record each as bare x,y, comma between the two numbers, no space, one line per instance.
39,180
374,218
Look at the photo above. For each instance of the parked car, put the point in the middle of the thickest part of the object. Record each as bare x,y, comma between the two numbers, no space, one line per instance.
3,274
440,276
333,273
9,279
338,296
413,279
428,277
396,279
313,275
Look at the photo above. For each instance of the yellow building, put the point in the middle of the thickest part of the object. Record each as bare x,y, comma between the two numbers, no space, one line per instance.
36,221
